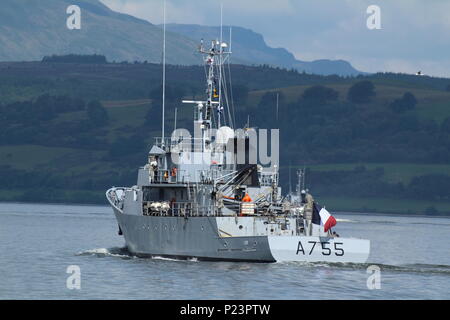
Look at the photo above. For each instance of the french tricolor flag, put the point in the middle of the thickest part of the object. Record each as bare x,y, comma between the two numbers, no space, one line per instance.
323,218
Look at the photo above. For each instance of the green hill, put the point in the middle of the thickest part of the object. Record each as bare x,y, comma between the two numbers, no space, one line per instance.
433,103
30,30
70,131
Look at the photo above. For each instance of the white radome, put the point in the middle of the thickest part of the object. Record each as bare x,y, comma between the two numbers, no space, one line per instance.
224,134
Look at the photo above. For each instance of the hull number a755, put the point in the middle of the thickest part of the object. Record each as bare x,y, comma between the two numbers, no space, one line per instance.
325,248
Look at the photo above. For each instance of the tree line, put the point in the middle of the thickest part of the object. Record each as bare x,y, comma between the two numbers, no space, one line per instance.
75,58
30,122
319,128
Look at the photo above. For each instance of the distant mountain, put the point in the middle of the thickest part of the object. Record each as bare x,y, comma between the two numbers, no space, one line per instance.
30,30
250,47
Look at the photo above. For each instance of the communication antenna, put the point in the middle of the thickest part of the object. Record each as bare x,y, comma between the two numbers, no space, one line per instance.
231,31
220,63
233,117
290,181
278,94
304,174
175,126
164,72
300,187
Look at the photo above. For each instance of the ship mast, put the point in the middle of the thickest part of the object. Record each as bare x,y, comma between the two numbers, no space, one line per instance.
204,115
220,108
164,74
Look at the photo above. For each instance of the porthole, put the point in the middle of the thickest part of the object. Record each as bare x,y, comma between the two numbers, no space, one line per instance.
240,227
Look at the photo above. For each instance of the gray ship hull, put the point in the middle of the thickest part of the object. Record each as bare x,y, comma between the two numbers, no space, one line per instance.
192,237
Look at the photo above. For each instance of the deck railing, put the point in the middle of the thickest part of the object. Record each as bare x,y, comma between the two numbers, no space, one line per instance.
170,176
178,209
182,144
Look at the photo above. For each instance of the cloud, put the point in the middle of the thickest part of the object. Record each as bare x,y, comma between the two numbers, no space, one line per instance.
194,11
415,33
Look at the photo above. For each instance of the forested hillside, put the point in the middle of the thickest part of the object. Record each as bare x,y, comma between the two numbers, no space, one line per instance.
68,130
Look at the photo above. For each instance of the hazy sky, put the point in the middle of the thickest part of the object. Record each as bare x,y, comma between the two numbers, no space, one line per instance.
414,34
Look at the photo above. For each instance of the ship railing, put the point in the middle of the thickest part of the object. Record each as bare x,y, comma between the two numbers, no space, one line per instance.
188,209
266,178
170,176
116,197
162,142
184,144
180,144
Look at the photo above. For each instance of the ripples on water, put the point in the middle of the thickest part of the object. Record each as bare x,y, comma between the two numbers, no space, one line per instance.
123,253
38,242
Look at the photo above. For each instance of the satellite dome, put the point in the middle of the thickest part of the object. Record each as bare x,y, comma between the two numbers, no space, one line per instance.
224,134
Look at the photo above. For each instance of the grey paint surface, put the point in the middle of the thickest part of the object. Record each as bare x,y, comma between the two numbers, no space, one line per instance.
187,238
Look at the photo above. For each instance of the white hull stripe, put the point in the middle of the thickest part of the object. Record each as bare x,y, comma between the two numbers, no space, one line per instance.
319,249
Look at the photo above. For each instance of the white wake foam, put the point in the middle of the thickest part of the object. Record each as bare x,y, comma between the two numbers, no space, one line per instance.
104,252
346,220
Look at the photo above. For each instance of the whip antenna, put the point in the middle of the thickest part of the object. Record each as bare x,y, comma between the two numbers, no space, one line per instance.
164,72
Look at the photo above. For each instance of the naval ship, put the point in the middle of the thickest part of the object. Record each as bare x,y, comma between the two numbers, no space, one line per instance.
204,198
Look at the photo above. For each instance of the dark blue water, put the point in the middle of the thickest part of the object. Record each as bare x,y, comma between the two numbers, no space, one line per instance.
38,242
